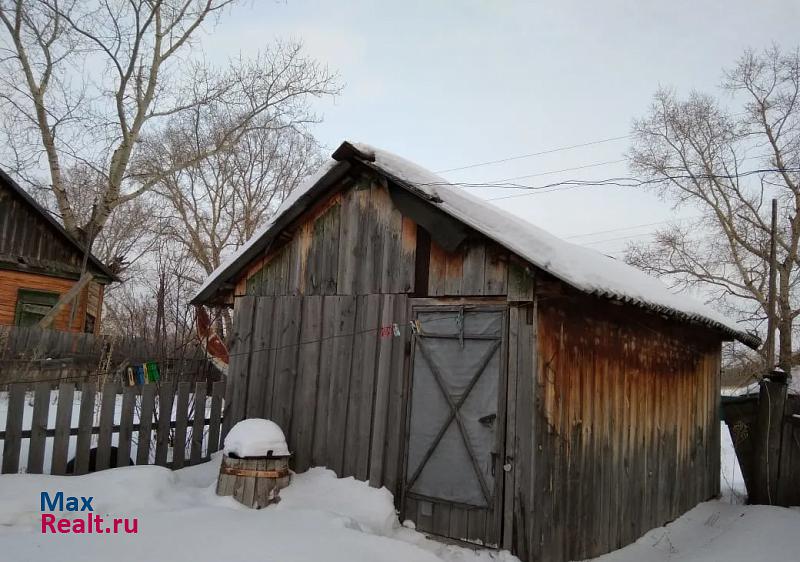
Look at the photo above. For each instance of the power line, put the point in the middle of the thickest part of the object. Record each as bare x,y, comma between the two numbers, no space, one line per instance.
595,165
549,172
609,182
629,227
532,154
618,238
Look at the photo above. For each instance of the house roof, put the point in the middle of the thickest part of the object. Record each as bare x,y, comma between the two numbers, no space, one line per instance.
582,268
53,223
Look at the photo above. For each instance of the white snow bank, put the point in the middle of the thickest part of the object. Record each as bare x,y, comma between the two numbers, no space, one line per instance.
256,437
719,531
320,518
732,488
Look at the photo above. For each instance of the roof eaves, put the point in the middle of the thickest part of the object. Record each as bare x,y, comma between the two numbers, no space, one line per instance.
8,180
348,151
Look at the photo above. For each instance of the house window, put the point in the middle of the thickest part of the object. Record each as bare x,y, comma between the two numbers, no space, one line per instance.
32,306
88,326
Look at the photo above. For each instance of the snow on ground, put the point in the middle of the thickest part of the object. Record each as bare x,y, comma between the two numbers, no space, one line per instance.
718,531
732,488
320,518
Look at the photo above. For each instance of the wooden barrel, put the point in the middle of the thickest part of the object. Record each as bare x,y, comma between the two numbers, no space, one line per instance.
253,481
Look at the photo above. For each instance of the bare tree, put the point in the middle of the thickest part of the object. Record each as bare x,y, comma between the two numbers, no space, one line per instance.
218,203
82,82
152,308
729,165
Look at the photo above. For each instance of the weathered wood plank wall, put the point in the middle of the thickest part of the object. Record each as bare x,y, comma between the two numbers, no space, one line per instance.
612,428
23,232
320,368
358,243
626,426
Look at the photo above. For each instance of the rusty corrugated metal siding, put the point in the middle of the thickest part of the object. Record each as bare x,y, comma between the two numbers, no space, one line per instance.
627,426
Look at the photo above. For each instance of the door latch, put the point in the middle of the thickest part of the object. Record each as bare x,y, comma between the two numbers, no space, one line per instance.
487,420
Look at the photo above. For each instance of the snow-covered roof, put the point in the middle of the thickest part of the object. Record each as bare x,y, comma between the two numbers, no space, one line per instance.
584,269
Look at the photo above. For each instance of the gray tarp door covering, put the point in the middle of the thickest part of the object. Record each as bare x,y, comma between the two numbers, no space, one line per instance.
455,435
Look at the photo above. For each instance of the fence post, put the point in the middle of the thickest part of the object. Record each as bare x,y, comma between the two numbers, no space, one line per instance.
771,407
11,444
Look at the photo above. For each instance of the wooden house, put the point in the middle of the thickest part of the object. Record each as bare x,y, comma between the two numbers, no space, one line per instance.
41,265
510,389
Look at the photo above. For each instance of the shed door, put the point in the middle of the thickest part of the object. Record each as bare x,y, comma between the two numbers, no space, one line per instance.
456,424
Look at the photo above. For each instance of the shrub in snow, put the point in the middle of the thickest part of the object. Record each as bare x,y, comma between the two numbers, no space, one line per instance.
256,437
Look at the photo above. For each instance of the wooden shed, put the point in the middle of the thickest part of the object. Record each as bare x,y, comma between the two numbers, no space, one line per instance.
41,265
511,389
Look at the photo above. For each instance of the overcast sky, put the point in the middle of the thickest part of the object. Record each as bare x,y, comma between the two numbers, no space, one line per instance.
452,83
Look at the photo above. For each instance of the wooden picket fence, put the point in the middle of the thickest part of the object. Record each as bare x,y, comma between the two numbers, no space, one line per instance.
150,421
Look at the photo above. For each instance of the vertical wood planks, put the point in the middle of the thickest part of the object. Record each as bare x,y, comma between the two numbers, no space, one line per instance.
63,422
512,443
473,270
286,360
397,392
301,431
351,243
242,342
181,420
107,407
85,421
520,283
126,425
198,423
12,441
41,406
495,270
260,374
437,272
319,454
88,458
381,405
625,419
359,409
217,392
344,310
166,396
146,408
330,250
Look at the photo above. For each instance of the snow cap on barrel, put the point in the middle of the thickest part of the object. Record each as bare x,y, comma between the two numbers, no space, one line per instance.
256,437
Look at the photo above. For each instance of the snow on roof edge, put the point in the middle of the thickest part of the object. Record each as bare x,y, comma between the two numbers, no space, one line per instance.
582,268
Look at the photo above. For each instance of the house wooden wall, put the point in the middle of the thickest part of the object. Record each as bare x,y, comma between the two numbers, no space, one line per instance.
318,367
24,234
91,298
625,427
612,412
357,242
